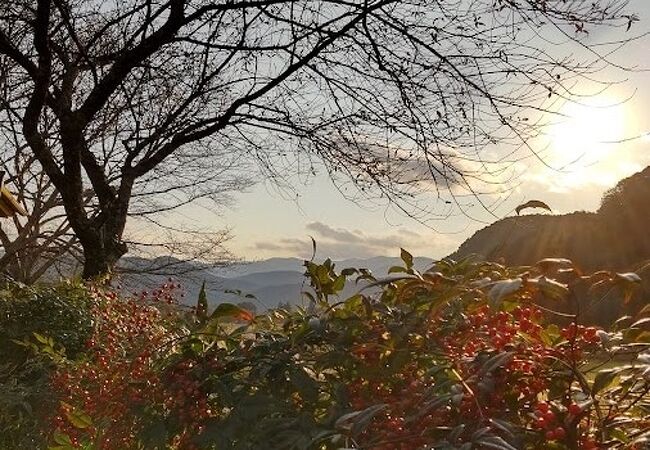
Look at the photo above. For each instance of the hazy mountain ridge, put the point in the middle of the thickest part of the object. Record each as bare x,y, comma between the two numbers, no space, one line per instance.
271,281
614,237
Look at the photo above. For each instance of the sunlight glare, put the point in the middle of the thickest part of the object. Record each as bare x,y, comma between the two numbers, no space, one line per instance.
588,133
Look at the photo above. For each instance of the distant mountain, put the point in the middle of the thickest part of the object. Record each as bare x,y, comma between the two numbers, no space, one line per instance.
271,281
377,265
267,265
614,237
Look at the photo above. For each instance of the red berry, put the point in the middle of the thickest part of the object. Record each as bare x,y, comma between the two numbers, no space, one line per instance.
549,417
575,409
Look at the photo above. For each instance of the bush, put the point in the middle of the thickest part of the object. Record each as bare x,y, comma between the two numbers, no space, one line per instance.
462,356
61,313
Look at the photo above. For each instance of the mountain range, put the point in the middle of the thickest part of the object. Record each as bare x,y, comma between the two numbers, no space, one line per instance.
270,282
614,237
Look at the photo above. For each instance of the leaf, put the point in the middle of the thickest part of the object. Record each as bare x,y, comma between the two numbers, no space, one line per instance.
228,310
504,426
603,380
77,417
349,271
313,247
154,434
549,264
503,288
620,322
357,421
496,361
628,281
551,288
407,258
62,438
306,385
532,204
397,269
309,296
202,304
40,338
478,284
456,432
629,277
495,442
550,334
339,284
640,322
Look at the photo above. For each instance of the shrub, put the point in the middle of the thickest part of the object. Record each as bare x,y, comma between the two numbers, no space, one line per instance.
463,356
103,395
61,313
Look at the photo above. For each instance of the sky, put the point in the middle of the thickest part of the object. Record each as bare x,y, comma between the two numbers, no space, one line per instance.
266,223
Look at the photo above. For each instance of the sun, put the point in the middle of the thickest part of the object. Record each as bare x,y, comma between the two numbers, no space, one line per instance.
587,133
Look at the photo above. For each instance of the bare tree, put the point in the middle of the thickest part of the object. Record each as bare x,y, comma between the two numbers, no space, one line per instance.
142,99
34,243
41,243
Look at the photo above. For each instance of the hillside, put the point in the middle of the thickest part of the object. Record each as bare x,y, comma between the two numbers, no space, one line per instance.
614,237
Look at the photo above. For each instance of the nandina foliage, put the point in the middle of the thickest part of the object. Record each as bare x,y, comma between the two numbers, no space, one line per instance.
467,355
101,393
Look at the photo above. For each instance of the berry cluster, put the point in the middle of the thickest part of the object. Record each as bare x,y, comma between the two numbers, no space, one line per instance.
118,374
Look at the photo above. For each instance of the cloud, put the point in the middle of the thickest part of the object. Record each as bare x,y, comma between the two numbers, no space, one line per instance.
327,232
343,243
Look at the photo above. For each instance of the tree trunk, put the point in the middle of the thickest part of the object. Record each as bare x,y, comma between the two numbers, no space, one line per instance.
102,250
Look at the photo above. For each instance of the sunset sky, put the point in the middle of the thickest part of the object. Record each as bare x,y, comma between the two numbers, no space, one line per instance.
266,223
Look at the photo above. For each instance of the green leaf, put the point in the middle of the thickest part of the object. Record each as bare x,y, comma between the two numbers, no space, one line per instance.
504,288
202,304
40,338
228,310
154,434
407,258
306,385
603,380
77,417
339,284
357,421
550,334
495,442
496,361
62,438
397,269
551,288
619,435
